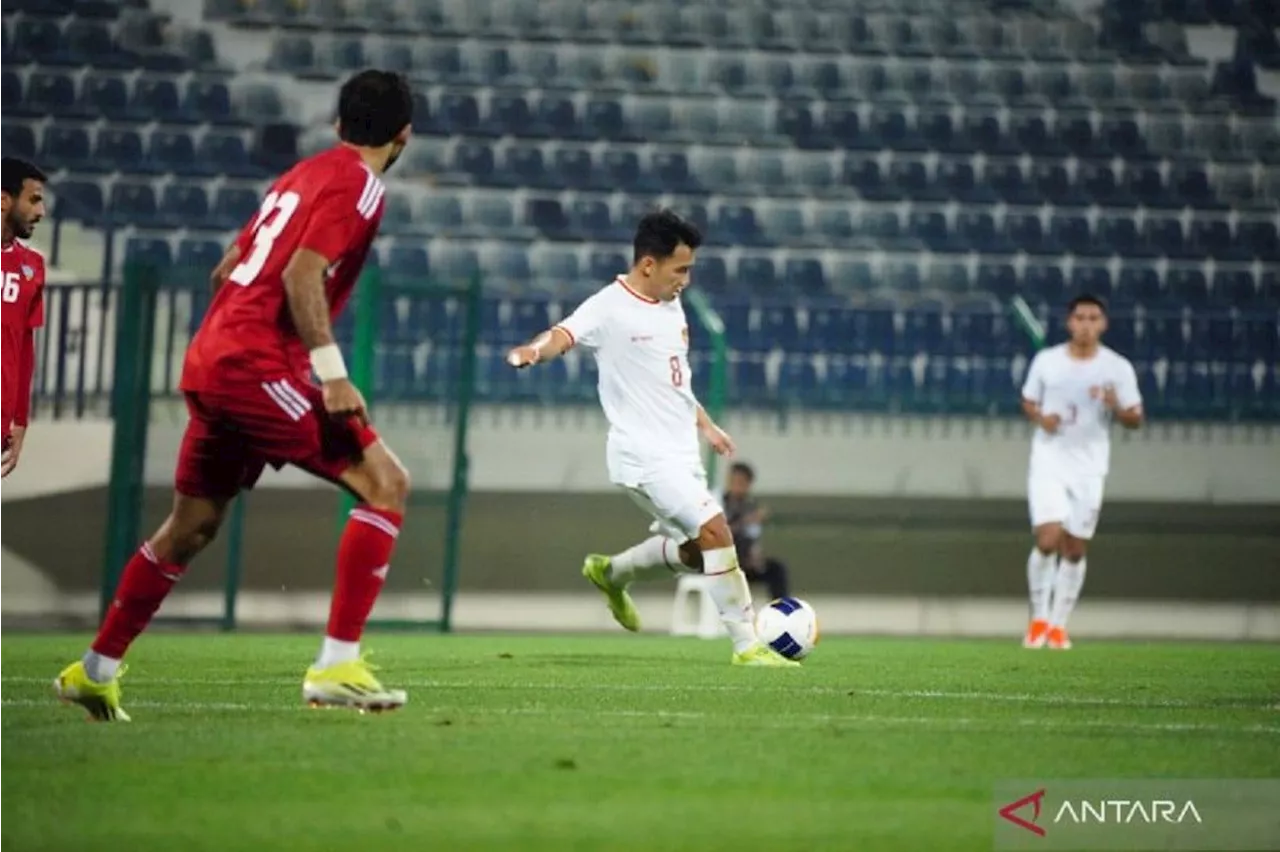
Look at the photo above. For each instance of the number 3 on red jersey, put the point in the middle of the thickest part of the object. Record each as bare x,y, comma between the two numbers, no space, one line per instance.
277,209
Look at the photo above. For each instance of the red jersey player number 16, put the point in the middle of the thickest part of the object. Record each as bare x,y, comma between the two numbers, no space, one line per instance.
22,196
247,379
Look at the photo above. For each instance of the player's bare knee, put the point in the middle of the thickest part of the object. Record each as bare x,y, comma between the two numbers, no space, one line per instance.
1049,538
1073,549
189,529
389,486
691,555
715,534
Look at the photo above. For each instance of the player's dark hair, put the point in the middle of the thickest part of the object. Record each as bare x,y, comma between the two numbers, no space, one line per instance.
745,469
373,106
15,172
661,232
1087,299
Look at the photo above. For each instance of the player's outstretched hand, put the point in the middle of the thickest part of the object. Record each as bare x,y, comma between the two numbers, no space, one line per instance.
1110,398
342,399
1050,423
522,356
719,440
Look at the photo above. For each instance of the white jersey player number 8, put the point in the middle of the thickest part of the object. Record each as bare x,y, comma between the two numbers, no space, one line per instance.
277,209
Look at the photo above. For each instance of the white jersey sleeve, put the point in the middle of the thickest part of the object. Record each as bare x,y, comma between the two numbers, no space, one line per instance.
1033,387
588,326
1127,392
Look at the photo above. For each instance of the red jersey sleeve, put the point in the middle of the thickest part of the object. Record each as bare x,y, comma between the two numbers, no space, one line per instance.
35,314
343,215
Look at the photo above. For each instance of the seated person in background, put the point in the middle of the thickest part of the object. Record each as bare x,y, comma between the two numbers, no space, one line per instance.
746,519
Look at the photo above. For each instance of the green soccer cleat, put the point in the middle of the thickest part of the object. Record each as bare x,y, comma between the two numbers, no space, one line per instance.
761,655
102,700
596,569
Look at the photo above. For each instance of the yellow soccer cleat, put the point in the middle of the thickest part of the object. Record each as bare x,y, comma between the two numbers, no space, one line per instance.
351,685
102,700
761,655
596,569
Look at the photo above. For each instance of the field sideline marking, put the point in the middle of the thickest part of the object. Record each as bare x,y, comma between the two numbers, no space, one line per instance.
870,719
942,695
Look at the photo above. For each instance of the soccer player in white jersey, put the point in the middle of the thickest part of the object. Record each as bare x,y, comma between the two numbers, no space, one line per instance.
636,329
1072,394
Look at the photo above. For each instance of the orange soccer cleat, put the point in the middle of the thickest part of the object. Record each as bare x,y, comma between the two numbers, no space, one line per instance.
1037,632
1058,639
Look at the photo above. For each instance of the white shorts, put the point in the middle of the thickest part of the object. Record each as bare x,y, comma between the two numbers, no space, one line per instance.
1071,499
678,501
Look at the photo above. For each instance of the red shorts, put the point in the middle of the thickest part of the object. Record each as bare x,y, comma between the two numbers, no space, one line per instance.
234,433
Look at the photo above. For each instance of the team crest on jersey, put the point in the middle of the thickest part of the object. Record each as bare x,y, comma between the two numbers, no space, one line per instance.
27,271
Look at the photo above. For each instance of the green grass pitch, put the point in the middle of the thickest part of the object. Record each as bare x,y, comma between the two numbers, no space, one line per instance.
609,742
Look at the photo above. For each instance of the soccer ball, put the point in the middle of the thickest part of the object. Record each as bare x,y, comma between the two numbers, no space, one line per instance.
788,626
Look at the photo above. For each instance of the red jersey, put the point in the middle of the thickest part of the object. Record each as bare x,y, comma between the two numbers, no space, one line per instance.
331,204
23,312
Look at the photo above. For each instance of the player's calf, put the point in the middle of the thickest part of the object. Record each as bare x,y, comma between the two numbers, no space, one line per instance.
148,578
727,585
364,551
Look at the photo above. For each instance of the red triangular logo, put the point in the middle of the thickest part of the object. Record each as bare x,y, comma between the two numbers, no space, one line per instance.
1009,812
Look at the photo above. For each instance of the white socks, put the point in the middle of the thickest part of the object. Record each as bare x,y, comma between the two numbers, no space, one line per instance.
654,557
100,669
1066,591
727,586
334,651
1040,569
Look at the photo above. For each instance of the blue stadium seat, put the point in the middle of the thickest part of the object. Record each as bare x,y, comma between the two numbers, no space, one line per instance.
174,151
606,265
1212,238
121,150
1043,283
36,39
591,219
709,273
621,168
209,101
1138,285
80,201
1259,239
778,328
1187,287
156,99
1001,281
105,96
1234,288
51,93
292,54
200,257
798,381
475,159
234,206
548,216
154,252
409,265
1071,231
757,274
226,154
1164,235
69,148
11,100
829,330
91,43
748,380
1094,280
874,330
19,140
737,223
133,203
185,205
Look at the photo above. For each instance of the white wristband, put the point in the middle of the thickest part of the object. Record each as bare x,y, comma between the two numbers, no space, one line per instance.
327,363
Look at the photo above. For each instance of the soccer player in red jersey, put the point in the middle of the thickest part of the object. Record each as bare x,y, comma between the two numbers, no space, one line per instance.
251,402
22,197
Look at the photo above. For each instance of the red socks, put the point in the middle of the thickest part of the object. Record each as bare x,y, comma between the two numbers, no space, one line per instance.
364,556
143,587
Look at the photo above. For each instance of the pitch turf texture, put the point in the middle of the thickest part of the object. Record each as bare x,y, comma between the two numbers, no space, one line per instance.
609,743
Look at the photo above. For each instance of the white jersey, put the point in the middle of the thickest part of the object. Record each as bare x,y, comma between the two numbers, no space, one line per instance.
1073,389
641,347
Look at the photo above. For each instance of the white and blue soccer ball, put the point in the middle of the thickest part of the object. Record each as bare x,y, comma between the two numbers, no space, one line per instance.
788,626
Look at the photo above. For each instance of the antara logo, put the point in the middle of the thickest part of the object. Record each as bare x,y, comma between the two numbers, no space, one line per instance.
1101,812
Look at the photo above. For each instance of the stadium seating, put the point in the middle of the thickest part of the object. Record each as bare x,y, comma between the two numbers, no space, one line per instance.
875,187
